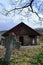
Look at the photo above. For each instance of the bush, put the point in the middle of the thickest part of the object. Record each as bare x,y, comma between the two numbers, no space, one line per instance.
4,63
38,60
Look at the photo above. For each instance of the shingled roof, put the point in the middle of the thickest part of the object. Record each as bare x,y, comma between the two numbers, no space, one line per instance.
22,29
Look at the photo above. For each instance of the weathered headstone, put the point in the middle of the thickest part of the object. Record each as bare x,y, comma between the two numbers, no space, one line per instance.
10,43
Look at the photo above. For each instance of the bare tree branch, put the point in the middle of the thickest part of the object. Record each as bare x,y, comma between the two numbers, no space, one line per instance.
40,6
25,6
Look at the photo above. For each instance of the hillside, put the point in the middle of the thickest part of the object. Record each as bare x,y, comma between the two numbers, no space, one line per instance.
1,32
40,30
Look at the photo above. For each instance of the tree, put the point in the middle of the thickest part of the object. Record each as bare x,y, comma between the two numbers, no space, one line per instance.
28,4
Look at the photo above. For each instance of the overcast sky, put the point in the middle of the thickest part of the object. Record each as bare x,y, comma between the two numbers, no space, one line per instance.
7,22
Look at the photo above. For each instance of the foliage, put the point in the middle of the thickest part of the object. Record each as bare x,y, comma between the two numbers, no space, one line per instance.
26,56
4,62
41,39
38,60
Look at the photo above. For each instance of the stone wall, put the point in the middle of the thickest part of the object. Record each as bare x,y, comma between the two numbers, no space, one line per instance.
30,40
27,40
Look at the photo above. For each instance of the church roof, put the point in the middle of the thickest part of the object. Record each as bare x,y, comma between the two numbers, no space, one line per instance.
22,29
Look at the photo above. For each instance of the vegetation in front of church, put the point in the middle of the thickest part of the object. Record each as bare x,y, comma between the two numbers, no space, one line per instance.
28,56
38,60
32,55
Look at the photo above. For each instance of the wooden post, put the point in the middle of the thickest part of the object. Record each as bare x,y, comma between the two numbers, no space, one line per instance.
38,40
33,41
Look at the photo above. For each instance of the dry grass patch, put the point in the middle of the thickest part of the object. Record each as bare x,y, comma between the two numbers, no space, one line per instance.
23,55
2,51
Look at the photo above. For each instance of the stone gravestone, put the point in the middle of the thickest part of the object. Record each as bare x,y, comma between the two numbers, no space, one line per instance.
10,43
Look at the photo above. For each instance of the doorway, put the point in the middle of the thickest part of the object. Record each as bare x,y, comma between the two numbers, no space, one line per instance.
21,39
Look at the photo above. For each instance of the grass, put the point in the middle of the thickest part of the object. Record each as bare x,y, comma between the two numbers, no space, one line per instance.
23,55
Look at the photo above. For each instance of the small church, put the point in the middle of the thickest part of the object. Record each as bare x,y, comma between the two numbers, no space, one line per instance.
24,34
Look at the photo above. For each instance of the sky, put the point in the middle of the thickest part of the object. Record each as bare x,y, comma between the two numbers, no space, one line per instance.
7,22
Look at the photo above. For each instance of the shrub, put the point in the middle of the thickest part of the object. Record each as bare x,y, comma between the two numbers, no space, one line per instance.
38,60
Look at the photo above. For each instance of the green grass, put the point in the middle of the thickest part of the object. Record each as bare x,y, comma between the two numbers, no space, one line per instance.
24,55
